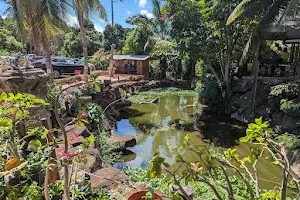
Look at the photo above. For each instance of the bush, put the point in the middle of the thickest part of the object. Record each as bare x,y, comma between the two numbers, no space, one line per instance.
289,90
100,60
210,93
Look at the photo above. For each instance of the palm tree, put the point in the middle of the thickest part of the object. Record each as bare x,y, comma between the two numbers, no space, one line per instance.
159,29
43,18
83,8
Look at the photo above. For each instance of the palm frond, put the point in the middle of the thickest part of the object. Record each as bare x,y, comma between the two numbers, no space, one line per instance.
237,11
291,10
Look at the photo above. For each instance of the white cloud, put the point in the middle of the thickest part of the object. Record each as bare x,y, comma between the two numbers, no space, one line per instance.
128,12
71,20
99,28
147,14
142,3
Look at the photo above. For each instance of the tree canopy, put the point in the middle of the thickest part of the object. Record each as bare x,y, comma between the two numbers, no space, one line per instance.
72,45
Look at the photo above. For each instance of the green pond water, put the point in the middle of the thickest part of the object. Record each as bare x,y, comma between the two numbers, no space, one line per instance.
161,127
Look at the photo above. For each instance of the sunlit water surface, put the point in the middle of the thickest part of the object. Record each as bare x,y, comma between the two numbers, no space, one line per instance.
161,127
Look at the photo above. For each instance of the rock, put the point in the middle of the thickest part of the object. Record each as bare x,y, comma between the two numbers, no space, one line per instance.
296,168
242,115
83,131
108,178
122,192
119,105
263,111
188,190
31,81
289,123
277,117
241,85
244,101
124,141
93,159
274,102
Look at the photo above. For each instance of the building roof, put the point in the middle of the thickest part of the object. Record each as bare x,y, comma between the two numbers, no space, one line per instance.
131,57
289,31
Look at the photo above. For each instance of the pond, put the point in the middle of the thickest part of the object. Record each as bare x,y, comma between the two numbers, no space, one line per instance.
161,127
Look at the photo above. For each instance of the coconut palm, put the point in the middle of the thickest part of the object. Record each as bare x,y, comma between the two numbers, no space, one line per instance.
83,8
43,17
159,28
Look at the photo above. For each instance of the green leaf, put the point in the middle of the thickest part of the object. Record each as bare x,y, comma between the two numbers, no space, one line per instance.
97,87
34,145
237,11
187,138
258,121
276,162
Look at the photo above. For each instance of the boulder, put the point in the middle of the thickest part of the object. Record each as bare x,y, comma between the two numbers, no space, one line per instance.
122,192
242,115
124,141
289,123
31,81
244,101
92,163
263,111
83,131
241,85
108,178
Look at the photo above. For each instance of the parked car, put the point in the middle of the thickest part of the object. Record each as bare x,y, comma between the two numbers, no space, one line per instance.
33,57
60,65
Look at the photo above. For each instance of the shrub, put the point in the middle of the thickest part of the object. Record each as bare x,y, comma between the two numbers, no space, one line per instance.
210,93
290,107
290,90
100,60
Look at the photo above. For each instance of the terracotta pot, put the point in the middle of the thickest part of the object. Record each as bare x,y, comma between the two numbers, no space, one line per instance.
139,194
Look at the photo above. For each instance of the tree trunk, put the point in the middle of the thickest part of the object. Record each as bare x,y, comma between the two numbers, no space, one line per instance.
190,73
255,76
163,69
179,73
227,75
284,184
83,41
47,54
193,68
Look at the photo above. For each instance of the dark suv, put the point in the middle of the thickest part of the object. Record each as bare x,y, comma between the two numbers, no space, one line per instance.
60,65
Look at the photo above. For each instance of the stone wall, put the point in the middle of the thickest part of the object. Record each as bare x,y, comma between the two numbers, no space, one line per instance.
31,81
266,105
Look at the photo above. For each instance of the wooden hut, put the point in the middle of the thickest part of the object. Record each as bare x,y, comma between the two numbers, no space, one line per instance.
132,64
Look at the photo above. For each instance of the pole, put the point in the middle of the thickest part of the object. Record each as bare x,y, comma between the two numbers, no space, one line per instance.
111,67
112,13
255,76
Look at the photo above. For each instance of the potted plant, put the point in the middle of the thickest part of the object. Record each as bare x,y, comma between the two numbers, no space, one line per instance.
145,195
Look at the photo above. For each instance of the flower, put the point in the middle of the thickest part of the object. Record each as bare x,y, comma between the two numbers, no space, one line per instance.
195,167
74,136
5,104
69,156
83,113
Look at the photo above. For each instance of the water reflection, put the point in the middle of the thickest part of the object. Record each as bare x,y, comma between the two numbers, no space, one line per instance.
161,128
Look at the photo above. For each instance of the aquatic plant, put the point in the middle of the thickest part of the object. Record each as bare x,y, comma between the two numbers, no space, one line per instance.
150,95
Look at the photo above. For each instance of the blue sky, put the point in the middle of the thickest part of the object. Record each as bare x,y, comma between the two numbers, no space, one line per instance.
123,10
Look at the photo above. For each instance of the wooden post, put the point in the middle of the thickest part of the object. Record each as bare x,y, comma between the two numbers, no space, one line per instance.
255,76
53,174
111,67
